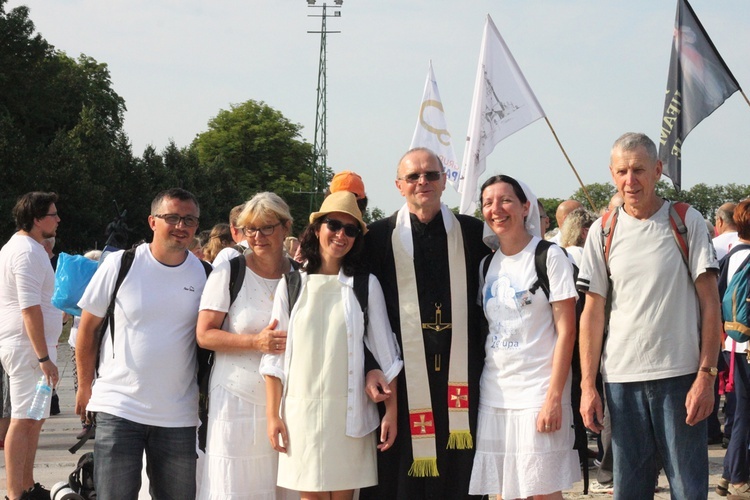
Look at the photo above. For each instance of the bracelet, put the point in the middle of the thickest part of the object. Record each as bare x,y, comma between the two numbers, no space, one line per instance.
42,360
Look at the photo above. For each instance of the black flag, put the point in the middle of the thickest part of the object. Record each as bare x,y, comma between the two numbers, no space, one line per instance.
698,82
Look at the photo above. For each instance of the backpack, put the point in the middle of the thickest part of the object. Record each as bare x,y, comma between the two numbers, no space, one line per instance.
735,297
540,265
81,480
677,212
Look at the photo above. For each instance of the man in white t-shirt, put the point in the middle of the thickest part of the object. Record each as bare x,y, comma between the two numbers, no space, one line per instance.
228,253
726,230
658,360
29,329
146,395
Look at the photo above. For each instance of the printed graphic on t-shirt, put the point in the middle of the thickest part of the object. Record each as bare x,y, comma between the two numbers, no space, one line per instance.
506,311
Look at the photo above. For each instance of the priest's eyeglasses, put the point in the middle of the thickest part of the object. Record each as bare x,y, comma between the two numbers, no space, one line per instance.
336,225
430,176
265,230
174,219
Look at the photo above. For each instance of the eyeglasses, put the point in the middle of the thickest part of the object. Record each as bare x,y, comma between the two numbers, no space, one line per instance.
53,214
174,219
430,176
335,226
265,230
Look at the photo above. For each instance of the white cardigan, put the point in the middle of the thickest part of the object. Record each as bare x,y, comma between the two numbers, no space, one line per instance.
361,415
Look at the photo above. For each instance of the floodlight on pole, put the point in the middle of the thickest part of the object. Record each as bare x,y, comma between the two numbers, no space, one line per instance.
319,171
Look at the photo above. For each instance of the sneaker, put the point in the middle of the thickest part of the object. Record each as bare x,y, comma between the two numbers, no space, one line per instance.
37,492
597,487
722,488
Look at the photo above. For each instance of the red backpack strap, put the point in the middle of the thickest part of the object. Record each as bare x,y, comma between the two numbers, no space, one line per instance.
609,220
677,211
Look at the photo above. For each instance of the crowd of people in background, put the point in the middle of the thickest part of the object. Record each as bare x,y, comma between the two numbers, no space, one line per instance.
427,355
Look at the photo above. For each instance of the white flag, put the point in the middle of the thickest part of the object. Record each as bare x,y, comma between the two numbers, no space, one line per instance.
432,131
503,103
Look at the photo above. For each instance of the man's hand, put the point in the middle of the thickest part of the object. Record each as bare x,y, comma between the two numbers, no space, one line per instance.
82,400
591,409
49,369
700,398
376,386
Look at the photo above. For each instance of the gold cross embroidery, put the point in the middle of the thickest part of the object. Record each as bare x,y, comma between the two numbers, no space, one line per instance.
438,325
422,424
458,397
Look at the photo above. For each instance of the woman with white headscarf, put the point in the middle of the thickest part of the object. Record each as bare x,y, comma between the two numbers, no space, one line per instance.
525,429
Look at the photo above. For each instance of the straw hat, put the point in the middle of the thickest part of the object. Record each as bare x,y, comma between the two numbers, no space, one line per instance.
340,201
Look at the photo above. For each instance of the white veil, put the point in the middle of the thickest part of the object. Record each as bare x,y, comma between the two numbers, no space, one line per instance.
532,221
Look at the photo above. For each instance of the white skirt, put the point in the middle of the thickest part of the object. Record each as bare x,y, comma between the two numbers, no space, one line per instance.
239,463
516,461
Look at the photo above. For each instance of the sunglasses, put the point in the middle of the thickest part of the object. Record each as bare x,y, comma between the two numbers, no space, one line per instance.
335,226
431,176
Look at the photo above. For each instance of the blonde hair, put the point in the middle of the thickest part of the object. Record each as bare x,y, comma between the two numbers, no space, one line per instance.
219,239
265,205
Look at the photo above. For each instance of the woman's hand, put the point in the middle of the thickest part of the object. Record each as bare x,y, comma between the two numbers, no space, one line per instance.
388,429
276,428
270,340
550,417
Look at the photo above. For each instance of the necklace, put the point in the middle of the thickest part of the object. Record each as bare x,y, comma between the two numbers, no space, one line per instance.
270,289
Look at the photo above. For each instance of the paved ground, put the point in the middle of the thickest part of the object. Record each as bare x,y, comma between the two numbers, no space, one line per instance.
54,462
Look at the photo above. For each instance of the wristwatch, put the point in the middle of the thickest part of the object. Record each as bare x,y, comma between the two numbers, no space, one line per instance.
711,370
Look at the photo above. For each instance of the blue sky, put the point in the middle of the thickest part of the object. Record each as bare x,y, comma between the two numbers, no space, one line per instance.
598,68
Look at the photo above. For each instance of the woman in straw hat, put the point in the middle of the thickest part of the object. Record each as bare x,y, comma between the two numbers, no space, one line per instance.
319,417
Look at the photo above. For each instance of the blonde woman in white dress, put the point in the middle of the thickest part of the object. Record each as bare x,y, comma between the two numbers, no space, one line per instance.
319,417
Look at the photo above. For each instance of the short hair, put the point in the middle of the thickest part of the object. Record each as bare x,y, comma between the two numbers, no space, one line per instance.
742,219
725,213
630,141
310,248
571,232
234,215
31,206
173,194
264,205
426,150
520,194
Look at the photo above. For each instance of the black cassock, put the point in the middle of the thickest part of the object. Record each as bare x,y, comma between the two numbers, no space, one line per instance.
433,286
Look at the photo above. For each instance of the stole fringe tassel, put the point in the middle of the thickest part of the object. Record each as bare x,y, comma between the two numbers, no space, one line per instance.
424,467
460,440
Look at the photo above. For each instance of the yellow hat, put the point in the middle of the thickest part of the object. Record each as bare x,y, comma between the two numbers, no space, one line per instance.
340,201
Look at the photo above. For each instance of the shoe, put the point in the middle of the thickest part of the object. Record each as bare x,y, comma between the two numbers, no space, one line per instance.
597,487
715,439
37,492
739,491
722,488
54,408
725,442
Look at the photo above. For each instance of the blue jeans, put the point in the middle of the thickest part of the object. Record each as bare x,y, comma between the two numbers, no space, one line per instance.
118,459
737,458
648,423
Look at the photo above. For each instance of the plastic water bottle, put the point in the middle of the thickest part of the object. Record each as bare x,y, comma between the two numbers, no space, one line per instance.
41,400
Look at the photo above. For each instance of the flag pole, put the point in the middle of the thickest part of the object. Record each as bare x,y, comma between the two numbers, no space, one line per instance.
746,99
585,191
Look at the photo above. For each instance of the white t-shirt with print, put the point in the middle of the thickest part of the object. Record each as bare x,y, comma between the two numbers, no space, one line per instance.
522,335
150,375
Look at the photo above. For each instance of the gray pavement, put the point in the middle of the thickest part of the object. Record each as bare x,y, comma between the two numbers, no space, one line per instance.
54,463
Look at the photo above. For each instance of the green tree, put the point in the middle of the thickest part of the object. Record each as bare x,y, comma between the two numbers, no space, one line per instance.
550,206
258,149
600,194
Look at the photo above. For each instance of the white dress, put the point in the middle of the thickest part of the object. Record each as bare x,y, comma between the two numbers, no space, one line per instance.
320,456
239,463
512,458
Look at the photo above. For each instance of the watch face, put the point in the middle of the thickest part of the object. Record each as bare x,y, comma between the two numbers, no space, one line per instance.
713,371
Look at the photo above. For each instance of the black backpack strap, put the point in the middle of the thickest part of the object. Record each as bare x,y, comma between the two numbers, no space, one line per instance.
540,264
486,261
237,269
293,282
126,262
362,291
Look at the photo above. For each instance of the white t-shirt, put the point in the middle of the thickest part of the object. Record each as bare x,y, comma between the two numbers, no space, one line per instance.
238,372
150,375
227,254
27,280
522,337
724,243
654,327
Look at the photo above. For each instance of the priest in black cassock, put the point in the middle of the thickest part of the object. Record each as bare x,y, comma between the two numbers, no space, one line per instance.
427,261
